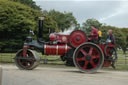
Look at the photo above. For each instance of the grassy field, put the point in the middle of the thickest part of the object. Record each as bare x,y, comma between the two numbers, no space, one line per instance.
121,64
9,58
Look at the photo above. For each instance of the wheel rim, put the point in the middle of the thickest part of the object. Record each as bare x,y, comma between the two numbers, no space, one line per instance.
88,57
27,61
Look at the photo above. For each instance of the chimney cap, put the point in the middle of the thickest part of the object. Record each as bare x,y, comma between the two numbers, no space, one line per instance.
41,17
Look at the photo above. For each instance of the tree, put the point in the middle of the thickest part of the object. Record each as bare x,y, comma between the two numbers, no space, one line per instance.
64,20
29,3
86,26
125,32
15,22
49,24
77,27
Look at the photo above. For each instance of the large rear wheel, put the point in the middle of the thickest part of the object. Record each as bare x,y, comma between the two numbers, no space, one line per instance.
28,62
88,57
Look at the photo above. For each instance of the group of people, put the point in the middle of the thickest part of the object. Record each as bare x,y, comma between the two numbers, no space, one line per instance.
97,34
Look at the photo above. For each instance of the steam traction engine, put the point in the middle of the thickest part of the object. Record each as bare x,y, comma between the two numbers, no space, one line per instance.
74,49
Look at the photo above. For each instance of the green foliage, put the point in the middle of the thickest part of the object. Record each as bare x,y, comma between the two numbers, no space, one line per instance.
29,3
77,27
125,32
49,23
86,26
64,20
15,22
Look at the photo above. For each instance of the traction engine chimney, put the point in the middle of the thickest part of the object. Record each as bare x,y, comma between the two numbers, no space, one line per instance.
40,31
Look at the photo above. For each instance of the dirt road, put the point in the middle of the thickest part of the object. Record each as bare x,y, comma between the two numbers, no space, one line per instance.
61,76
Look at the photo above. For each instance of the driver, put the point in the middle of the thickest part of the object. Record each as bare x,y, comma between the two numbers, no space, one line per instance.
94,34
110,37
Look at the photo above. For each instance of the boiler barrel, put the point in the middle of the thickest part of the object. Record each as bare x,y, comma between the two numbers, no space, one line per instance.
56,49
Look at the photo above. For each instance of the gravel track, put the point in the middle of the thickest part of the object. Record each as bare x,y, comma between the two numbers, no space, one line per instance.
61,76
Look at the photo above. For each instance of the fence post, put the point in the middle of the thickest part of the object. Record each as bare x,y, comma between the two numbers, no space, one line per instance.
126,58
0,75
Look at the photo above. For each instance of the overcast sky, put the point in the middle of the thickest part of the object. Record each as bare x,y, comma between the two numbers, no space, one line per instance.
111,12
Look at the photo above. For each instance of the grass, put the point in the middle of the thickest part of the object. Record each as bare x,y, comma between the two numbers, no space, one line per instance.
122,62
8,58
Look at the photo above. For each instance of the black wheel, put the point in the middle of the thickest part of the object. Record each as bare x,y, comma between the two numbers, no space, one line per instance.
88,57
28,62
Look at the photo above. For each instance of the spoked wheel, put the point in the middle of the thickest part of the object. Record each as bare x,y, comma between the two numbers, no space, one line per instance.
111,54
88,57
28,62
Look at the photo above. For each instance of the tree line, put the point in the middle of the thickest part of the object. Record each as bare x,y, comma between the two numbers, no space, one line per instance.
17,17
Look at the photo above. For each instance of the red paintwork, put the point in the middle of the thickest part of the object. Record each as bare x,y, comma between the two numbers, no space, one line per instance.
56,49
77,38
86,63
52,37
23,62
107,63
59,38
25,50
102,46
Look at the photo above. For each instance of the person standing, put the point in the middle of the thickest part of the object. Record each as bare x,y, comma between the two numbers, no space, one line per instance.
94,34
99,36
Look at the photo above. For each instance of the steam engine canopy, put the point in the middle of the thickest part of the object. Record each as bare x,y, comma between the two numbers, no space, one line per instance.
77,38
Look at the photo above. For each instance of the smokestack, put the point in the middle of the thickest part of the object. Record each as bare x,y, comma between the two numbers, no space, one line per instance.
40,31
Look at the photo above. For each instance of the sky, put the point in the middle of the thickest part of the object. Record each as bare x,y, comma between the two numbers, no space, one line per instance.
110,12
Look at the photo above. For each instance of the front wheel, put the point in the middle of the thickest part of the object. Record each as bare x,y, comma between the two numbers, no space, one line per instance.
88,57
28,62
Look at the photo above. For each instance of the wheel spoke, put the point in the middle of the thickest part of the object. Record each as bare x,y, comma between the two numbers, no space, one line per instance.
90,51
83,52
30,60
94,57
92,63
85,64
81,58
